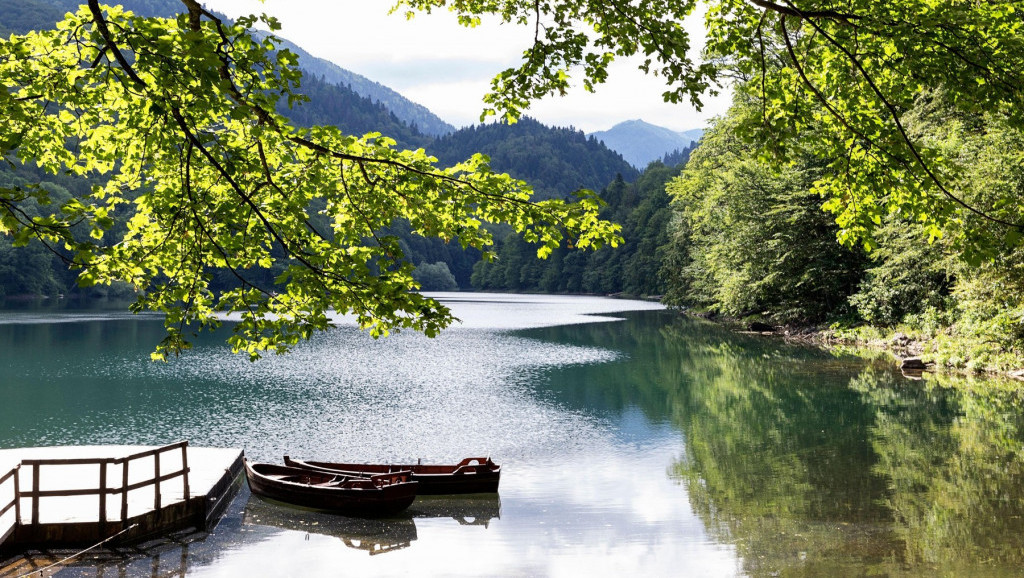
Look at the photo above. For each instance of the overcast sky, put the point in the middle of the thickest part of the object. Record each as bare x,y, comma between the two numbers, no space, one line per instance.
447,68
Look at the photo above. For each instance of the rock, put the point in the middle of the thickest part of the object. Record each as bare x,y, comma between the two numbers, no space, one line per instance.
758,326
913,363
900,340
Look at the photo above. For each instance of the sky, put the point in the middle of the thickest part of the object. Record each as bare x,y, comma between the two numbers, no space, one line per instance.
435,62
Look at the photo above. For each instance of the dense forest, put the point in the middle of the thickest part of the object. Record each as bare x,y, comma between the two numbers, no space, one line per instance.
722,228
340,106
751,240
635,268
555,161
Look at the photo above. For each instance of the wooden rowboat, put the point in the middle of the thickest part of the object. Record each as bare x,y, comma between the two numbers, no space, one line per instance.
374,495
470,476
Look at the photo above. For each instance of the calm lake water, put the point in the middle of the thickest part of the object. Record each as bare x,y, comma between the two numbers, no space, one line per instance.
632,443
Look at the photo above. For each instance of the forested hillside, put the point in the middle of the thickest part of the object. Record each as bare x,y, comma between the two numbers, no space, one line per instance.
413,114
340,106
633,268
22,16
751,240
555,161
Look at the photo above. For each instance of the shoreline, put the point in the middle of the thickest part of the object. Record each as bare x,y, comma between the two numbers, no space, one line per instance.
906,353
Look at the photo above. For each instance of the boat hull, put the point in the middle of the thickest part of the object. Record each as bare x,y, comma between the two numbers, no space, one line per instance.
314,490
470,476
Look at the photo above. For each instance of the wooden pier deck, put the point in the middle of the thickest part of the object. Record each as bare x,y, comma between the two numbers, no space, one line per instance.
81,495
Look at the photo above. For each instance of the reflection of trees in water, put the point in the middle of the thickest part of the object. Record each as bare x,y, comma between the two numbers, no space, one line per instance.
813,465
952,450
776,458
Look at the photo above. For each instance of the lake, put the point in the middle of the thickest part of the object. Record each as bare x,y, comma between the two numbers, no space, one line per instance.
633,441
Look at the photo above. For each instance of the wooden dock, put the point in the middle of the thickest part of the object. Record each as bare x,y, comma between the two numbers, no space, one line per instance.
81,495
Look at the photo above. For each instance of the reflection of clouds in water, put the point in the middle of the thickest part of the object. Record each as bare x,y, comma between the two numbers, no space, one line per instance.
345,394
578,514
500,311
580,495
37,318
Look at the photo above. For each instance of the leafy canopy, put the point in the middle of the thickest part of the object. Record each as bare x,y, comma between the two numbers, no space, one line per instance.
846,71
174,121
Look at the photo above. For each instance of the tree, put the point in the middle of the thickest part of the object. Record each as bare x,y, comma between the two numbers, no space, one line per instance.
847,71
435,277
752,240
175,122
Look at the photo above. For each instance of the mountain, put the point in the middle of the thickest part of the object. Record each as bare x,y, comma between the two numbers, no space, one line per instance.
641,142
338,105
25,15
415,115
555,161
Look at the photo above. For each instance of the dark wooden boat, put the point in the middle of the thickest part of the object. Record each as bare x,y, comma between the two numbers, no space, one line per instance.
371,495
470,476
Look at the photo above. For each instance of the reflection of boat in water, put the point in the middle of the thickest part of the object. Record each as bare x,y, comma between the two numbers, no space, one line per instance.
470,476
375,535
470,510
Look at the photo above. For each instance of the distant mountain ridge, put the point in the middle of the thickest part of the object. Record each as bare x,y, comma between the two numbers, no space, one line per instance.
554,161
641,142
413,114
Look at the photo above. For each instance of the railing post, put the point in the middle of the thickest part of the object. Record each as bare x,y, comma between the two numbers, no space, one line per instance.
35,494
17,495
156,494
102,493
124,491
184,468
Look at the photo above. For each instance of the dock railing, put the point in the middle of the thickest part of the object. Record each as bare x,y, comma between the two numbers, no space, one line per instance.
35,495
7,528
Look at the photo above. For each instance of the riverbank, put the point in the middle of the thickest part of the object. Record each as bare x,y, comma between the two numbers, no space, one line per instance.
939,350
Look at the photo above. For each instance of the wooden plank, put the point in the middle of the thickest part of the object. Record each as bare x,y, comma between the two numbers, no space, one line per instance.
35,490
66,461
17,495
124,490
156,476
103,493
184,467
67,493
154,451
14,500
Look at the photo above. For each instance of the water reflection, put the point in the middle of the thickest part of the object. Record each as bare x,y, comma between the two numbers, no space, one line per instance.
818,464
375,535
656,445
850,470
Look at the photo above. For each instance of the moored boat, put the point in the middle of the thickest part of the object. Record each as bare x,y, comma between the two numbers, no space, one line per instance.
379,494
470,476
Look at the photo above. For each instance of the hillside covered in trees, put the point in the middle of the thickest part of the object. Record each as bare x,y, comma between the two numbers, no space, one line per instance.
555,161
759,222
